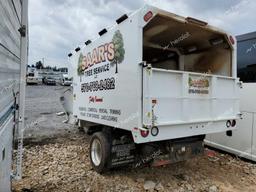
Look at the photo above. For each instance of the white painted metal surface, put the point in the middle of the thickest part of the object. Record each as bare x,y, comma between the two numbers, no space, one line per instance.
243,140
130,97
174,106
6,154
22,81
10,78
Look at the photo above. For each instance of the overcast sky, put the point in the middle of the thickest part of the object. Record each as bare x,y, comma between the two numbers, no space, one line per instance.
58,26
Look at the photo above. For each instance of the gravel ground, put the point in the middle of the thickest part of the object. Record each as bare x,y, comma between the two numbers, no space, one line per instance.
41,121
56,159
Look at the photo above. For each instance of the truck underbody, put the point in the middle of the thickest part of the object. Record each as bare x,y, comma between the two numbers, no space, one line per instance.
120,149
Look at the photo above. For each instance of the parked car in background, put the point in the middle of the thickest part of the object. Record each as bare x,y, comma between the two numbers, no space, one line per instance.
32,76
65,80
49,81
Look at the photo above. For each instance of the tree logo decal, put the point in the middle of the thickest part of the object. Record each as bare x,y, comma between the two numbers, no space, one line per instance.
113,52
198,85
80,68
119,49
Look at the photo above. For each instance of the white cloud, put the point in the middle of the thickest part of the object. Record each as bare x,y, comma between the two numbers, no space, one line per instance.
58,26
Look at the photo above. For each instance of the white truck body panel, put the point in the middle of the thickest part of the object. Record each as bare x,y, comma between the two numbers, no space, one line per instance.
6,154
130,97
185,113
10,64
243,140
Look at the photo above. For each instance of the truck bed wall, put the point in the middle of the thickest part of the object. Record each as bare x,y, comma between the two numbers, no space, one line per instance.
119,106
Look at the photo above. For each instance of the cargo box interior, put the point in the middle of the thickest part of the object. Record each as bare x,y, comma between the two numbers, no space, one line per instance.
172,44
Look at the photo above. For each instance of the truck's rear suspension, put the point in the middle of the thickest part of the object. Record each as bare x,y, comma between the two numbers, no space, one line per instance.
110,148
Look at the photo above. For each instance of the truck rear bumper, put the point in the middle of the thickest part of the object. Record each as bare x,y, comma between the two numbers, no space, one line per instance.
173,131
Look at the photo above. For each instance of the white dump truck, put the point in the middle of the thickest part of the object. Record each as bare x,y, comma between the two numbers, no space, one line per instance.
149,88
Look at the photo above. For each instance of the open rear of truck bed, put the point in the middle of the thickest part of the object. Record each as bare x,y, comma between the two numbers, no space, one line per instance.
189,78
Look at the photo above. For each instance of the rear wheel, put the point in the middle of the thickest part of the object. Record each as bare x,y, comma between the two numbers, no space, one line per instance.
100,150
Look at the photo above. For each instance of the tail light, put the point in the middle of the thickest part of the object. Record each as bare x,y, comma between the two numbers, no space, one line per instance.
233,123
144,133
231,39
148,16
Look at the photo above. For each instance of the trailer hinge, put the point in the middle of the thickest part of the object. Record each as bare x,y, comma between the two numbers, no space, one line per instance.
22,30
240,84
145,127
240,115
144,64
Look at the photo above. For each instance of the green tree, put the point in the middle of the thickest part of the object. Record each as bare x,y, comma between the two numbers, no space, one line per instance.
119,49
39,65
80,65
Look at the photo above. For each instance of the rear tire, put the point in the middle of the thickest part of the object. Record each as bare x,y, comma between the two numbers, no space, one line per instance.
100,151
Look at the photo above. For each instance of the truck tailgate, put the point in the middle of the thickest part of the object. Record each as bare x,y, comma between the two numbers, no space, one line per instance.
178,97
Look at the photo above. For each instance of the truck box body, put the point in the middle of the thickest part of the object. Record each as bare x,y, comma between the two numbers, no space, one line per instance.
158,75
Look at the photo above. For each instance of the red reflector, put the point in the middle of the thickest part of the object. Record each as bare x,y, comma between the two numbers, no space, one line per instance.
232,40
233,124
148,16
160,163
144,133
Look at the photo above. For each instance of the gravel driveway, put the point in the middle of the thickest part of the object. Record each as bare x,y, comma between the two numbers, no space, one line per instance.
56,159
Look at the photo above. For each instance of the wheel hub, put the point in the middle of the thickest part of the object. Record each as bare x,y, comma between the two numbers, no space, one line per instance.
96,152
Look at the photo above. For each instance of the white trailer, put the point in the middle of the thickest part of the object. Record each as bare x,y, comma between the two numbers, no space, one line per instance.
154,82
13,57
242,142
